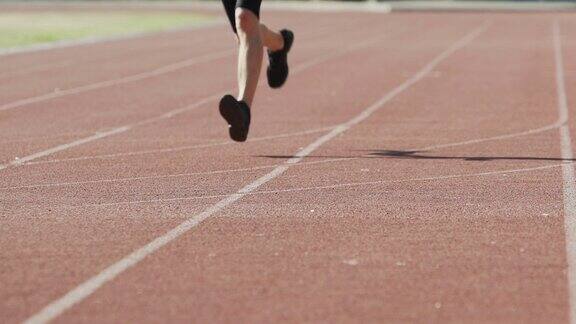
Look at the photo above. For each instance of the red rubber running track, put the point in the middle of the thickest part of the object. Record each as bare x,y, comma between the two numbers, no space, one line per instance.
415,168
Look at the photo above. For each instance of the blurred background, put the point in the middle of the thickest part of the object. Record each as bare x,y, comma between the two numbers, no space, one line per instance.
26,24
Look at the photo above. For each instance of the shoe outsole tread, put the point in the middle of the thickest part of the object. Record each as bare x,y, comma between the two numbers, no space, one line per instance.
232,113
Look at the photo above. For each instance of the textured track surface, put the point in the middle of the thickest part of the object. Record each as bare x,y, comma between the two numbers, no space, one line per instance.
444,203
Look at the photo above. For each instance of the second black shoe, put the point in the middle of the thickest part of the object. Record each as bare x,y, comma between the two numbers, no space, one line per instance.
277,71
237,115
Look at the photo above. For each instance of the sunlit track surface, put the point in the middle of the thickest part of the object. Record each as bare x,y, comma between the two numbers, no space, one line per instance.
411,170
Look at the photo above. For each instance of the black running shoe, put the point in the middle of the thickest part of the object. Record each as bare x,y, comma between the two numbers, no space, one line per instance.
237,115
277,71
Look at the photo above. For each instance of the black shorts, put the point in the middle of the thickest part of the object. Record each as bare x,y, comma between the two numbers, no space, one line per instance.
231,5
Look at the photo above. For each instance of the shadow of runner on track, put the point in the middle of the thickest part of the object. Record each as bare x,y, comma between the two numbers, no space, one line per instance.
398,154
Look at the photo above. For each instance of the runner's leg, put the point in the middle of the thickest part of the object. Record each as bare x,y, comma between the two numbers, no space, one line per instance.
273,41
250,54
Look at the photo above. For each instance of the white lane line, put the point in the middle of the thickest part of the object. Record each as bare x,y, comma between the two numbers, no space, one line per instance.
98,59
168,176
567,172
347,159
115,82
88,287
63,147
136,77
179,148
325,187
298,69
561,121
46,137
533,131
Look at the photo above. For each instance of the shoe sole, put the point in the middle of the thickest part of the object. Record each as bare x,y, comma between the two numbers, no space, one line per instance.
231,113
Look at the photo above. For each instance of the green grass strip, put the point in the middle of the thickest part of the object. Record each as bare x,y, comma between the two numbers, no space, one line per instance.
21,29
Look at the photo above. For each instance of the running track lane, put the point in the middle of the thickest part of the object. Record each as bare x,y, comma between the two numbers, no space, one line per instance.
331,248
123,103
64,245
109,273
480,248
149,112
99,63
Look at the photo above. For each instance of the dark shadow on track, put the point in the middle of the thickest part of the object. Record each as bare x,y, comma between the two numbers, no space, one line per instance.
415,155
